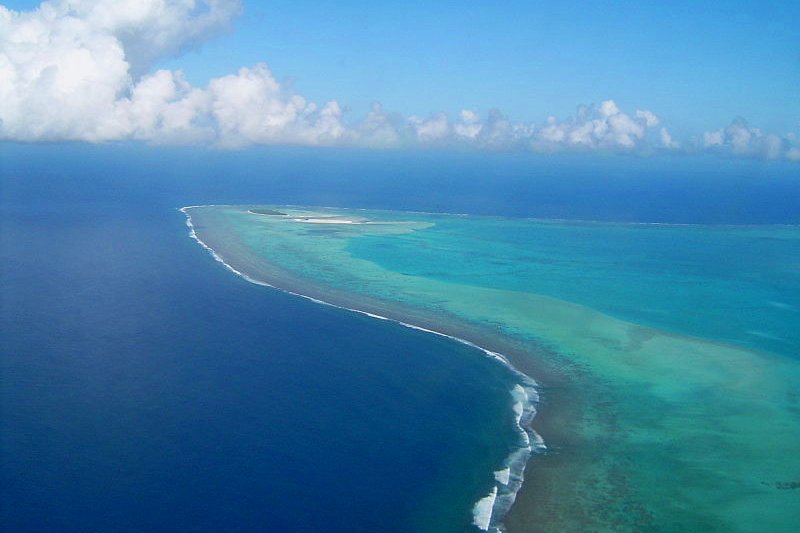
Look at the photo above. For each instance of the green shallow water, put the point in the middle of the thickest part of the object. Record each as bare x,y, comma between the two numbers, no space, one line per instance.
667,354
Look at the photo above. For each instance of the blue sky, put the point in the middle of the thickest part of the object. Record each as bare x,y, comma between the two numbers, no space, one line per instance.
693,66
697,64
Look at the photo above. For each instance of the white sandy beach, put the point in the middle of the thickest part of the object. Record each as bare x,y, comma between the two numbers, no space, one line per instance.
329,221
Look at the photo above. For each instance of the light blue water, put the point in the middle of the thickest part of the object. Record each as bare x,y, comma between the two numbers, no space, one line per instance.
733,284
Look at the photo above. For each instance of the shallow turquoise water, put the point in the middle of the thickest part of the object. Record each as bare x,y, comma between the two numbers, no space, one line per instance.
675,346
735,284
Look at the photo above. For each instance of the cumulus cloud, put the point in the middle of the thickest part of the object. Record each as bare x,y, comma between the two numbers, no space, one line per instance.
163,106
604,127
433,128
738,138
649,118
82,70
378,129
666,140
146,29
250,107
76,70
469,127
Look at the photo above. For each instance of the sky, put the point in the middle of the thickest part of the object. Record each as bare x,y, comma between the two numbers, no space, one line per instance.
643,77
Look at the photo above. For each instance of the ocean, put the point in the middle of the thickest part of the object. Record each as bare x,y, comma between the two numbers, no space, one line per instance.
145,387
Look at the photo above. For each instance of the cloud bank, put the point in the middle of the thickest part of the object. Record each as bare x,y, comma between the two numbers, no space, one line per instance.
80,70
740,139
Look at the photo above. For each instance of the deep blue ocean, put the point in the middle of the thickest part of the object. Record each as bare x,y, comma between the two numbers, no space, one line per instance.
145,388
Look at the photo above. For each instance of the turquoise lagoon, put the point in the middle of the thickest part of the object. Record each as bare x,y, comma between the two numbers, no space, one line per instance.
666,358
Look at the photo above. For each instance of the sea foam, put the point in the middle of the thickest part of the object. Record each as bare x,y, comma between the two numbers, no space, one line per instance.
482,512
502,476
509,479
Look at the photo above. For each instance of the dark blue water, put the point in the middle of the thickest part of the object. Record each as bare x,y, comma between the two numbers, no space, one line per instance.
709,190
145,388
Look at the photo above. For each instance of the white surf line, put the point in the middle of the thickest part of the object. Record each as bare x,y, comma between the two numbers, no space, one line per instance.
489,511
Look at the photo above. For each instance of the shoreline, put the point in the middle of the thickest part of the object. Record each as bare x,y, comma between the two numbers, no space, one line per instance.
631,413
489,511
576,221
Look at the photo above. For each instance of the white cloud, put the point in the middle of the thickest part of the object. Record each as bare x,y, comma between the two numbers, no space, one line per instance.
650,119
667,140
712,138
433,128
605,128
70,70
81,70
608,108
148,29
165,107
378,129
738,138
499,132
59,77
250,107
469,126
